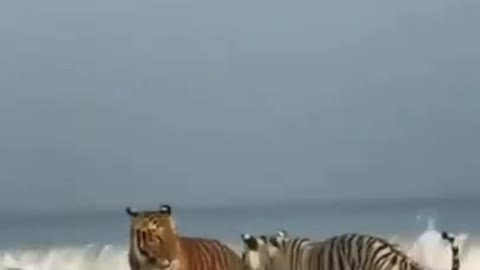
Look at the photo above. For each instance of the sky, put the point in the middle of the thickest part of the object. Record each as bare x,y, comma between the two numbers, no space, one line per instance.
113,103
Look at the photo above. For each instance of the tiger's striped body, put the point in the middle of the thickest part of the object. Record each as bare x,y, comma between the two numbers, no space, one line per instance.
343,252
155,245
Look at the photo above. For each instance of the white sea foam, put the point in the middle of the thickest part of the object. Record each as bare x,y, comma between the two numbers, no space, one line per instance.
428,248
66,258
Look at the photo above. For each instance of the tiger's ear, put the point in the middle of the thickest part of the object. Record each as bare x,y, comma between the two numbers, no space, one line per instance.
131,212
166,209
282,234
249,241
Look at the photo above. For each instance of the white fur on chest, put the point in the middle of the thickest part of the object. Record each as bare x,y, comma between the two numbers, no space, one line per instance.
254,260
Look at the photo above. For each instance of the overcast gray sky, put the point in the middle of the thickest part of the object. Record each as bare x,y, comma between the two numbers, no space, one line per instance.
107,103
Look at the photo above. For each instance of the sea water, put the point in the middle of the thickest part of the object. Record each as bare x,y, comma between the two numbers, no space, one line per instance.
99,240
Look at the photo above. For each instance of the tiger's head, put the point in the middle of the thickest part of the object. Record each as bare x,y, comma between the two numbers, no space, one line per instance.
255,254
153,237
258,252
278,249
277,241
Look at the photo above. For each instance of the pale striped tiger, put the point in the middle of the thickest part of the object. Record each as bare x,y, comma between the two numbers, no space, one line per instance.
351,251
155,245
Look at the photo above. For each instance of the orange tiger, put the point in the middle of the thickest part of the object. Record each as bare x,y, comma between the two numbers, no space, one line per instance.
156,245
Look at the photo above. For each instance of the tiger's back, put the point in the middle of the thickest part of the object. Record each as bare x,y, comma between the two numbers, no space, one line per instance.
358,251
209,254
352,251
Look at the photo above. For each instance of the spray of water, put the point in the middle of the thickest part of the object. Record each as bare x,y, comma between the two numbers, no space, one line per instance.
66,258
431,250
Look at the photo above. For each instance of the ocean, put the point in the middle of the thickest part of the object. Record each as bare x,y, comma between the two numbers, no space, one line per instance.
99,239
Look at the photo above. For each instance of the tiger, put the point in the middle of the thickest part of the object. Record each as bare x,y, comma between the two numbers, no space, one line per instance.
156,245
350,251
